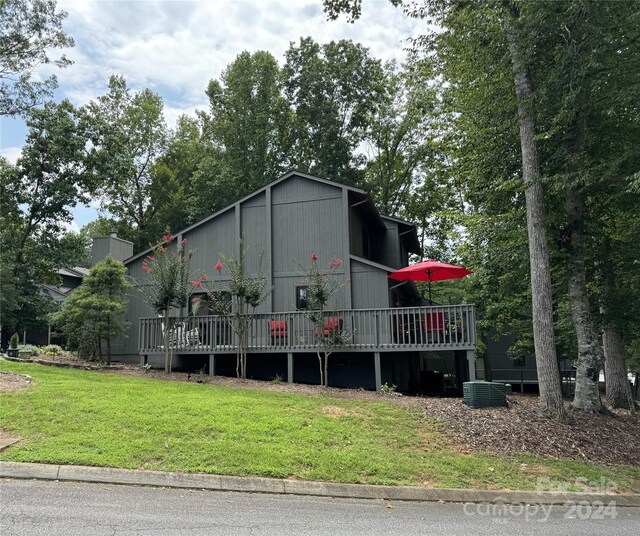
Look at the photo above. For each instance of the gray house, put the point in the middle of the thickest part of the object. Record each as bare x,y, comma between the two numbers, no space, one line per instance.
395,337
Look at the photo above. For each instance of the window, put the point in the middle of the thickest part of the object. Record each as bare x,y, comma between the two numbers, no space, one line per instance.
301,298
519,361
366,253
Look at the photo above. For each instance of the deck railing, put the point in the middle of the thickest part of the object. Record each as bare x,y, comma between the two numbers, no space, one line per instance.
407,328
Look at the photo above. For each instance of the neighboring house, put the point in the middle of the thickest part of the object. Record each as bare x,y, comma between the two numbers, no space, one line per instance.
71,279
395,337
521,371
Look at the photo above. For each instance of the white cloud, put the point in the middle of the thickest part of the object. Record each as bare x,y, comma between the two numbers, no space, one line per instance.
11,153
71,227
175,48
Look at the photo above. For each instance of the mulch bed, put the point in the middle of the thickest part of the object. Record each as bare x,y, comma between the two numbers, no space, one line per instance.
521,428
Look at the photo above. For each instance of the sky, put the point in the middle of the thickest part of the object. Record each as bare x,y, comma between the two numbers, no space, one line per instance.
175,47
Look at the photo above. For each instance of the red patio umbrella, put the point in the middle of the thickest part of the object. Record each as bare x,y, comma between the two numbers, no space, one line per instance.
429,271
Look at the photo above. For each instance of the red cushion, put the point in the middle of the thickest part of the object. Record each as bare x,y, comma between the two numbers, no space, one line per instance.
433,321
278,328
332,324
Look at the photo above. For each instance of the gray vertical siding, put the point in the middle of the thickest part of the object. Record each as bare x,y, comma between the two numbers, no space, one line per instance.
215,237
307,218
107,245
285,224
369,287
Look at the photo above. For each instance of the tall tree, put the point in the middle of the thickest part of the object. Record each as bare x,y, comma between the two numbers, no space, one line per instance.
95,310
333,89
181,198
37,195
29,31
128,135
543,331
591,124
477,48
400,138
248,124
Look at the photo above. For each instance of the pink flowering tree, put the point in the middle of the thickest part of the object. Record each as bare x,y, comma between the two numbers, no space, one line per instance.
247,293
167,282
322,285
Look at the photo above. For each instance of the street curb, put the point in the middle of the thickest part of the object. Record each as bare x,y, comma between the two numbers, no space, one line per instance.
107,475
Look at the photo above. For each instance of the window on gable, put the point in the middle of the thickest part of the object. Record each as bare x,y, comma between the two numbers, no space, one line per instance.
366,250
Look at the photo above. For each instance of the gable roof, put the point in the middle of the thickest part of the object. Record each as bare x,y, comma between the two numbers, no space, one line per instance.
76,271
294,173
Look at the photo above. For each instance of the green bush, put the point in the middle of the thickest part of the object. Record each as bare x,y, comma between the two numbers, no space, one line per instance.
52,350
35,350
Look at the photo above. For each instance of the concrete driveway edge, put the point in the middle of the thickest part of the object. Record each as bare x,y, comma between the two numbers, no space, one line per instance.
107,475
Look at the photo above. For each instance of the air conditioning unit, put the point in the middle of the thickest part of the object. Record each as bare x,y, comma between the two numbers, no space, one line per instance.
481,394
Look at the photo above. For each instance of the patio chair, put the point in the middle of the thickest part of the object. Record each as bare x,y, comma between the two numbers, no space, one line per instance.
180,336
434,326
332,326
278,332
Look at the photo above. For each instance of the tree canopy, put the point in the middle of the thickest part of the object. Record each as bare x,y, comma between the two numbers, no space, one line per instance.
29,31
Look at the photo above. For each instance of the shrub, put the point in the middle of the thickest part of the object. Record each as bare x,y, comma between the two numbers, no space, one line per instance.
35,350
51,350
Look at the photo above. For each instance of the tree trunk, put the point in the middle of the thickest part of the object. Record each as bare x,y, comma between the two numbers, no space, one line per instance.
99,343
108,350
615,370
167,355
320,367
543,333
326,369
587,393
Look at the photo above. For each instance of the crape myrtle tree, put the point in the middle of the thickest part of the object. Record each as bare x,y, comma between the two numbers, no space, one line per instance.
247,292
29,31
322,285
93,314
167,283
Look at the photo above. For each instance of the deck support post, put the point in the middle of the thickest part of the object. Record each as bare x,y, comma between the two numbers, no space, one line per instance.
472,365
212,365
143,360
289,367
377,370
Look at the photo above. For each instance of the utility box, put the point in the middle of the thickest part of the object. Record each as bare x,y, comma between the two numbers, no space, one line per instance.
482,394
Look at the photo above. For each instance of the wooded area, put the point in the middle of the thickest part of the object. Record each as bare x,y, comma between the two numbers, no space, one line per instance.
511,137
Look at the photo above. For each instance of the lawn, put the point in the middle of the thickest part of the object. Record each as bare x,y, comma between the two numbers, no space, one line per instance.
91,418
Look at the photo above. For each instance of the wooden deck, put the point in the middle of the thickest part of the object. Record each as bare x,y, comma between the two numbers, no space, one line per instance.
433,328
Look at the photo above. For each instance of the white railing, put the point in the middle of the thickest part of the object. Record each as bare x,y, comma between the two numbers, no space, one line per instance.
407,328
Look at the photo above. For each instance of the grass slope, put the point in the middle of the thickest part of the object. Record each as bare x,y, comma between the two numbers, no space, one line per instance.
89,418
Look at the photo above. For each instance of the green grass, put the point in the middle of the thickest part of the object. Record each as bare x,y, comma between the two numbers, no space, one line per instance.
91,418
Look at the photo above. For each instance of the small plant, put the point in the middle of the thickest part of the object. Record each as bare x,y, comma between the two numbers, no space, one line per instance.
29,349
13,345
387,389
51,350
277,379
146,367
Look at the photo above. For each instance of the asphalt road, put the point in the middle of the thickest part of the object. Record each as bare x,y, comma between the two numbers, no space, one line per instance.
48,508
